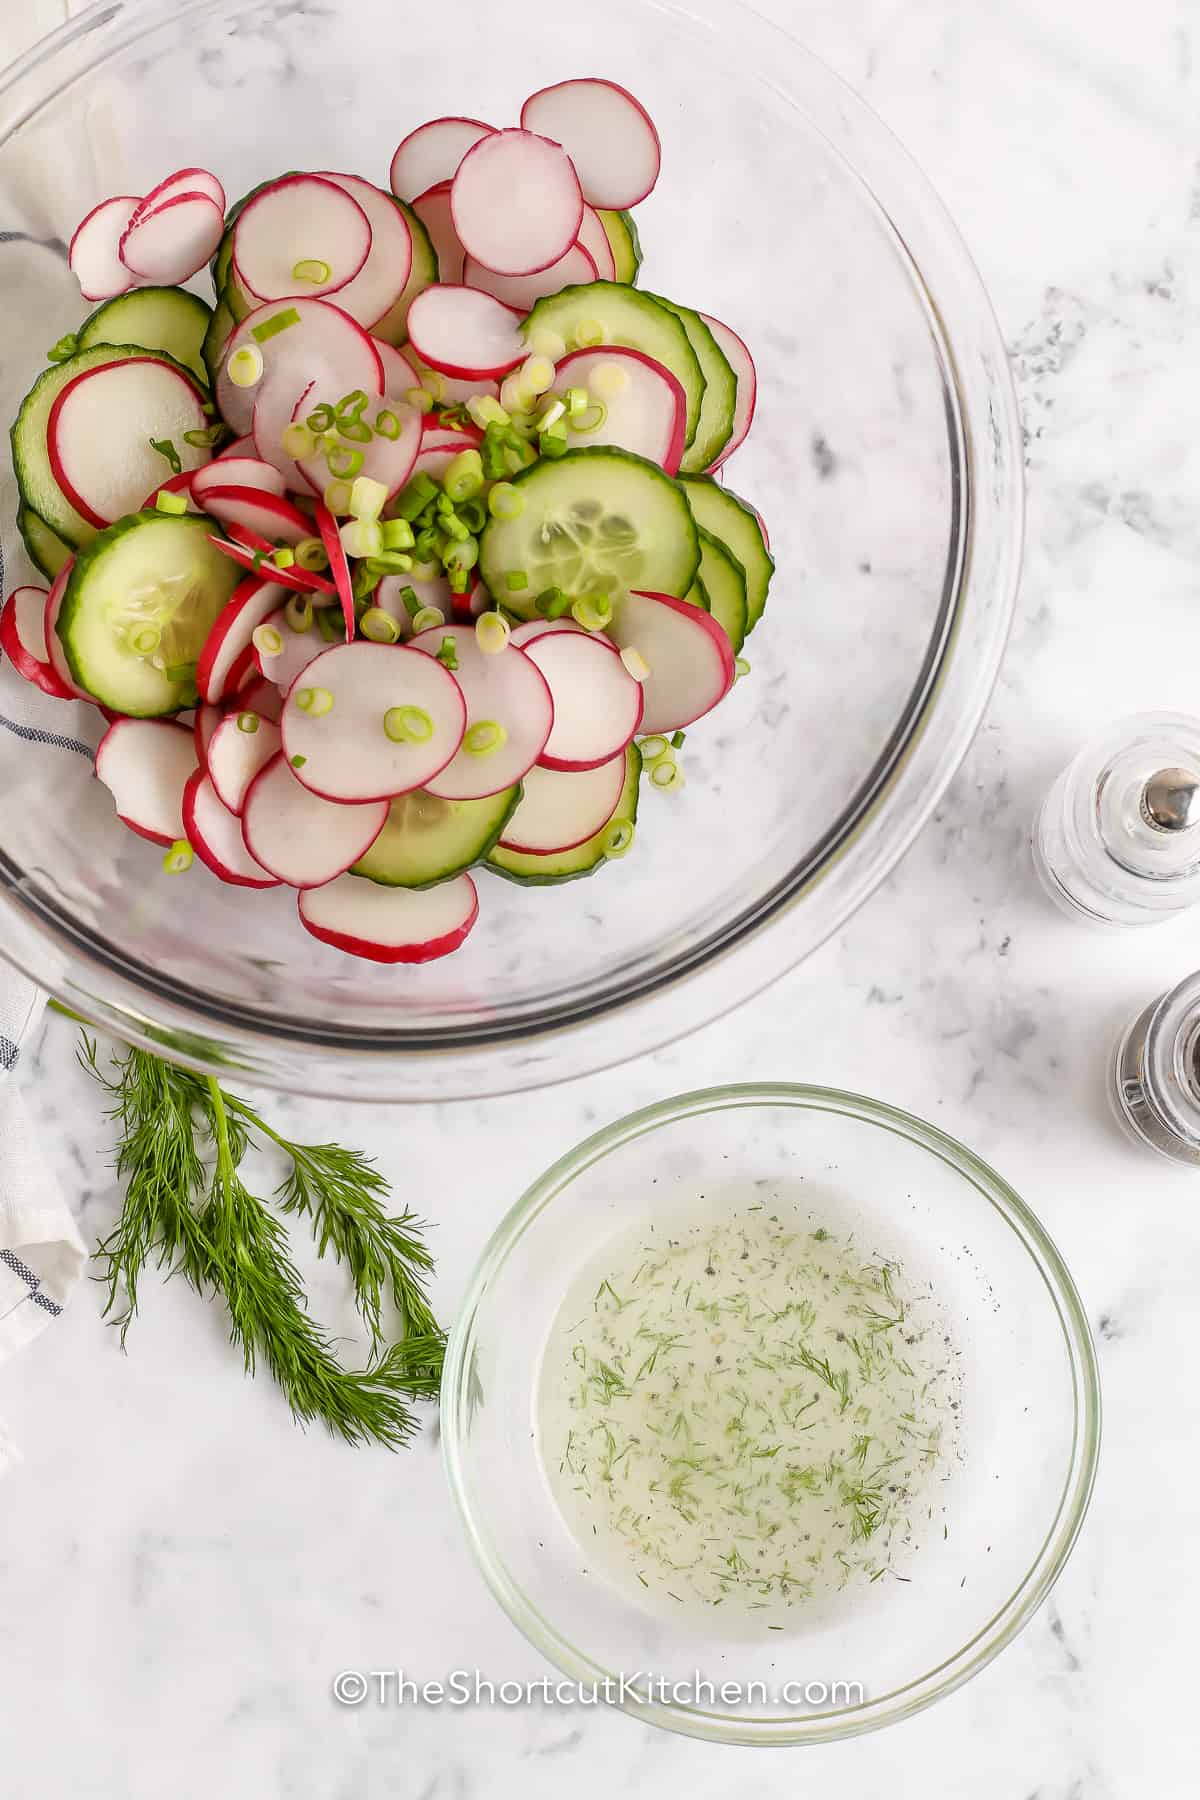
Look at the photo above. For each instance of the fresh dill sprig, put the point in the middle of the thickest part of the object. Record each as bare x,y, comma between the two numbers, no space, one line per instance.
201,1221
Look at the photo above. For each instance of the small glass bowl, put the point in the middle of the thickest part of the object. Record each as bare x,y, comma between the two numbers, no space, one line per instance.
1027,1442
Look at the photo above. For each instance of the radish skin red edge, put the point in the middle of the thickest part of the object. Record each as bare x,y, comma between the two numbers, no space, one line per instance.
94,253
146,765
608,134
171,243
464,332
54,648
183,181
216,836
737,354
390,925
228,647
23,634
516,202
235,756
76,445
690,658
431,154
338,566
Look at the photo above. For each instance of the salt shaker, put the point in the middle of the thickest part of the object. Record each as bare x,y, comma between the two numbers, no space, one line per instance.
1117,841
1155,1075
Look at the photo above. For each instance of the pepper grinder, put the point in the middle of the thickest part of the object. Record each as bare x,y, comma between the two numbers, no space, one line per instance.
1155,1077
1117,841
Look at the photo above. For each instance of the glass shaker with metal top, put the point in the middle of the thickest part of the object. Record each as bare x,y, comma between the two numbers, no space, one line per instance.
1155,1076
1117,841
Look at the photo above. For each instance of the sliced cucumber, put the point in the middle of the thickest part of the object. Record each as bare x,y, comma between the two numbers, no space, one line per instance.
626,245
221,327
720,511
393,327
631,318
720,392
569,865
724,582
150,573
427,840
31,460
697,594
596,521
158,318
46,549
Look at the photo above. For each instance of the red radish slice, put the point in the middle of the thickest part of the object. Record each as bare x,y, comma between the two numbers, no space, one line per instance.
172,243
504,690
370,296
23,641
301,342
645,405
178,484
433,210
347,752
597,703
594,239
450,392
266,514
274,410
391,925
251,557
524,635
242,676
183,181
238,472
432,153
560,809
439,447
742,364
236,755
215,834
99,431
689,656
523,291
435,594
251,604
516,203
608,135
54,650
339,568
299,837
204,729
472,606
146,764
243,446
300,218
461,331
95,252
385,459
299,648
262,696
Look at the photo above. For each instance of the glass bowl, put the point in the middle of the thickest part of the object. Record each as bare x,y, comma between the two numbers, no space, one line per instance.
1009,1507
886,460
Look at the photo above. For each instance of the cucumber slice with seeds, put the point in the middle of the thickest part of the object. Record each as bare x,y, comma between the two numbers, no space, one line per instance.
427,840
47,551
724,581
598,521
715,427
622,234
629,317
719,510
158,318
154,576
584,859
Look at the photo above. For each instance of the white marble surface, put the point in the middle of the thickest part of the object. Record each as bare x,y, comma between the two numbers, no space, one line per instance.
181,1572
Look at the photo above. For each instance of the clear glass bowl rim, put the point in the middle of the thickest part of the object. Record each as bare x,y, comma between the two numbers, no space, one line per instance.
812,1727
738,960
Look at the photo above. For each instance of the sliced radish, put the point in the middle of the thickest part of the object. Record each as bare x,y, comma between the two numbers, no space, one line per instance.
689,657
243,446
560,809
524,635
23,641
504,690
251,557
95,252
516,203
451,392
236,755
54,649
439,447
373,292
353,751
433,210
301,342
299,837
177,484
339,568
99,431
594,240
597,703
173,242
432,153
262,696
243,675
462,331
608,135
184,181
276,407
523,291
204,728
742,364
146,764
268,515
299,648
300,219
435,594
391,925
238,472
252,603
215,834
645,405
388,460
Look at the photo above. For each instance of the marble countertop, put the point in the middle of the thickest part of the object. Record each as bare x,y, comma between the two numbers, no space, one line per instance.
192,1570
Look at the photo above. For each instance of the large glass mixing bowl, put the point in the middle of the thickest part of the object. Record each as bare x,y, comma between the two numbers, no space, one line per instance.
885,459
